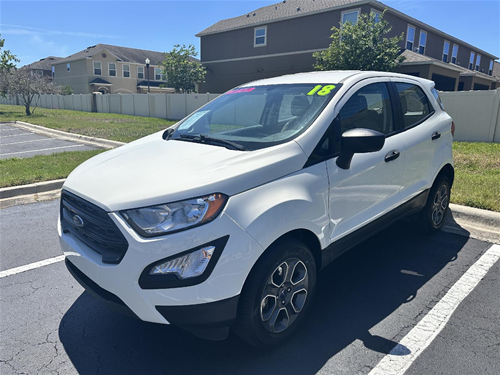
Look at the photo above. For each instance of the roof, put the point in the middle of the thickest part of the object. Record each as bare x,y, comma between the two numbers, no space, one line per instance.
298,8
125,54
43,64
275,12
414,58
100,81
333,76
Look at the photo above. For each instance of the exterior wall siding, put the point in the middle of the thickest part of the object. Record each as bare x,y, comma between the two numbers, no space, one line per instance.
304,34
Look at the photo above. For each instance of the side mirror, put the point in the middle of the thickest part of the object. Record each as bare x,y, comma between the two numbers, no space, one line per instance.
358,141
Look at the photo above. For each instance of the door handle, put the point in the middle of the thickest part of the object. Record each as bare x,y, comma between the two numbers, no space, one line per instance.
393,155
435,135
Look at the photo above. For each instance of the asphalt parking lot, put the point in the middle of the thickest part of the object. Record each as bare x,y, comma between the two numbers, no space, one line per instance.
21,143
366,303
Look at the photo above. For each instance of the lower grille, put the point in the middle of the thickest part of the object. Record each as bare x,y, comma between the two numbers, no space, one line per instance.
93,226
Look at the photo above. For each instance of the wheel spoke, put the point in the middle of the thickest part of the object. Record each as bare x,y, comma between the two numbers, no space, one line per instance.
267,307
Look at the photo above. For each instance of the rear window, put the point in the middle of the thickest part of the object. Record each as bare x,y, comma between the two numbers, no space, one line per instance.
414,103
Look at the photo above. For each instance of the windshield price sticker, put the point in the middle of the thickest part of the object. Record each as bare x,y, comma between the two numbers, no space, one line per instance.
237,91
321,90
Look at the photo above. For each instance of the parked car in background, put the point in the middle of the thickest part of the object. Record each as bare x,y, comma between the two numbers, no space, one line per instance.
224,220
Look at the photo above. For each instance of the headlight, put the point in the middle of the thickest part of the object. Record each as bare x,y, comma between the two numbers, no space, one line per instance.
173,217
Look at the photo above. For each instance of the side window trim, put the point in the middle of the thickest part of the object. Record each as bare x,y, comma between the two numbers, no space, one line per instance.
393,92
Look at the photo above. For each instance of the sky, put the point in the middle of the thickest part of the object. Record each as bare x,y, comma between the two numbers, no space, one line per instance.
36,29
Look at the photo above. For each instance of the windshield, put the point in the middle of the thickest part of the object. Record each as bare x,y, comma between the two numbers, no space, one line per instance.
257,117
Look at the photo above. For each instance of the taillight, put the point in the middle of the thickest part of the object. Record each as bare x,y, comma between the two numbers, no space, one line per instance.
453,128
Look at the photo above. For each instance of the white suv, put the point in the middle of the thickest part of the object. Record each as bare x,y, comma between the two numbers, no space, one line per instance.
224,220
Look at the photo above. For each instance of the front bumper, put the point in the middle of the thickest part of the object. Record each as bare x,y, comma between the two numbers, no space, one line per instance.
213,301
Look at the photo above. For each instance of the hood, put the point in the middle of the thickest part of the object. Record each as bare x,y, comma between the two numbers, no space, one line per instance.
153,171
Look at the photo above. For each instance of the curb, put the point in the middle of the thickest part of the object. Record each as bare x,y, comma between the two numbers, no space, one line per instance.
482,218
36,188
91,141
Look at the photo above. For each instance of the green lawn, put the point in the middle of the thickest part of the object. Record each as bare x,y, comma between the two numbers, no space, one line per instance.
102,125
39,168
477,175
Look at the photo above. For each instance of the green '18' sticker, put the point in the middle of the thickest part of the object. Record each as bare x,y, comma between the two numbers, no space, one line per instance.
321,90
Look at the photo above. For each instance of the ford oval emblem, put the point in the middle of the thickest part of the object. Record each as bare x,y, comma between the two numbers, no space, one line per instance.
78,221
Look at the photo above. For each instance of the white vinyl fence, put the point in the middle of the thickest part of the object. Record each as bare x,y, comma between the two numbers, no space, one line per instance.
476,114
168,106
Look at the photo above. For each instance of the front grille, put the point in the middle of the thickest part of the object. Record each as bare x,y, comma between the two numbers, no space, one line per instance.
93,226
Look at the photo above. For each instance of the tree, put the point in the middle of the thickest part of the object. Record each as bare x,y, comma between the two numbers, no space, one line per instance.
361,46
7,59
181,70
66,90
28,87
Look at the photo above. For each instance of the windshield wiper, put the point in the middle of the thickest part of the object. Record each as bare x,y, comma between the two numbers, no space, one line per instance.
203,138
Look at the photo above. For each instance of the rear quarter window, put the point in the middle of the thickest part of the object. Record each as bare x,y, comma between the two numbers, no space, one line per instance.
438,98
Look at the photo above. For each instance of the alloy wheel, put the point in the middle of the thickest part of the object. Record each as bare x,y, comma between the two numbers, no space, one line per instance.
284,295
440,204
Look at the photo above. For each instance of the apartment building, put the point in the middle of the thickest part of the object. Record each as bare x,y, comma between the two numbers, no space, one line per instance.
111,70
281,38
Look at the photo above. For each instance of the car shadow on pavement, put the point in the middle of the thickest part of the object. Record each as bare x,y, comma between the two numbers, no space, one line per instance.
354,293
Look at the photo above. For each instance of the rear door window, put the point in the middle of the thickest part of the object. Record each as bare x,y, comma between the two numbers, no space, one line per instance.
415,104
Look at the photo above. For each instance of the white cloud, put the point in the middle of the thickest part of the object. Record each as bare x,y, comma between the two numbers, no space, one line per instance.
51,48
26,30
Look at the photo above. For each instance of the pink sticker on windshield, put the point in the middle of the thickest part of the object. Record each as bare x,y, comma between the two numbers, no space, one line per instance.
237,91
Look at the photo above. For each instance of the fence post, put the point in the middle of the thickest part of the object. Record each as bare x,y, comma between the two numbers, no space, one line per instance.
496,116
185,105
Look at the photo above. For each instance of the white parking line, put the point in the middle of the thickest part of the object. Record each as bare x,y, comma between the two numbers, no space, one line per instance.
42,149
422,335
35,140
31,266
15,135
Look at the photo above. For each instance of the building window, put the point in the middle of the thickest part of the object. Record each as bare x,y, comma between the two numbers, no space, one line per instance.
159,76
112,69
97,68
126,71
40,73
350,16
423,41
410,37
260,36
377,15
140,72
53,72
454,54
68,67
490,69
478,62
471,60
446,50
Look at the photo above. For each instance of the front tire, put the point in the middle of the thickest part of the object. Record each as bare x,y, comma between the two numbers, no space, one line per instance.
277,294
431,218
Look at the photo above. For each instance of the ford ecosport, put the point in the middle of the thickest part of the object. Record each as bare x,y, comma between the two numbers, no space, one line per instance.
224,220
